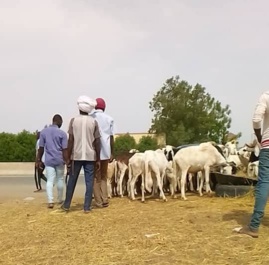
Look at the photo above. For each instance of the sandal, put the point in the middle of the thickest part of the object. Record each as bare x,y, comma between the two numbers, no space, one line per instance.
65,209
50,205
105,204
247,231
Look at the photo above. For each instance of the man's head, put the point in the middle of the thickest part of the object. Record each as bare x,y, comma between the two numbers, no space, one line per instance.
57,120
37,134
86,104
101,104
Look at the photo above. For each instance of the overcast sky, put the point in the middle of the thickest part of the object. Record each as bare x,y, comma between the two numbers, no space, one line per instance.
53,51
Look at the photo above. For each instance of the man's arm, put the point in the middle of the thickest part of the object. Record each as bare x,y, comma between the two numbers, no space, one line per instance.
40,154
112,139
70,143
65,149
40,151
97,142
97,146
259,115
112,145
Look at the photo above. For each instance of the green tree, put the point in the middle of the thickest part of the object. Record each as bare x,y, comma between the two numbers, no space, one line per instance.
124,143
26,141
147,143
188,114
17,147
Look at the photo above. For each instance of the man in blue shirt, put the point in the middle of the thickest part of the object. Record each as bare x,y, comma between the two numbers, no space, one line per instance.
106,127
54,142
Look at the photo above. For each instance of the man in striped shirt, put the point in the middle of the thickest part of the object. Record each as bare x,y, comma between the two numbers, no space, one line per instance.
260,117
83,150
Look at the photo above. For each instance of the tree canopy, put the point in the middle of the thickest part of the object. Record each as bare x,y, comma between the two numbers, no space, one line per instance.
147,143
188,114
126,142
17,147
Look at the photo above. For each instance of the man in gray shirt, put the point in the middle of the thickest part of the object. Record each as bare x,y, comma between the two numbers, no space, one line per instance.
83,150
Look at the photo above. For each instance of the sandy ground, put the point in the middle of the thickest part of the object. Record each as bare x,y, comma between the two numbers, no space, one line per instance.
197,231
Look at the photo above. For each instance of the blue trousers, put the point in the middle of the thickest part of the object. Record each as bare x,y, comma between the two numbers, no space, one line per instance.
261,190
88,167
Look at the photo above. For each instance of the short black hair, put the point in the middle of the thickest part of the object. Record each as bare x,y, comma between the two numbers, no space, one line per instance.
57,118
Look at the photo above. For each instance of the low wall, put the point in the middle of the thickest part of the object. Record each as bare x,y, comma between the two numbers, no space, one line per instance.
19,169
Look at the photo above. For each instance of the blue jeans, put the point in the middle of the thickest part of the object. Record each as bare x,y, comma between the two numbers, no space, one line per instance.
76,166
53,173
261,190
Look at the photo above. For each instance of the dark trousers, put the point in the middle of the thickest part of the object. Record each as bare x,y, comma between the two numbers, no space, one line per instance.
88,167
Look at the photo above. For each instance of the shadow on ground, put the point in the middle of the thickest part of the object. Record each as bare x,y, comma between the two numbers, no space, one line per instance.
242,217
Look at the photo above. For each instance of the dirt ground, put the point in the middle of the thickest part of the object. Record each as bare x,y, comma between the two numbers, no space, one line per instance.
197,231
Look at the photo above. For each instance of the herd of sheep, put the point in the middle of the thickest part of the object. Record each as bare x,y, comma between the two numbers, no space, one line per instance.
170,169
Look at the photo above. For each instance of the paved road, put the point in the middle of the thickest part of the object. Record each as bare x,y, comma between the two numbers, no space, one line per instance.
20,187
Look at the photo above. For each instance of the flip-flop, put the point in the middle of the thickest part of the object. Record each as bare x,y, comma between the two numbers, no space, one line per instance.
64,209
50,205
246,231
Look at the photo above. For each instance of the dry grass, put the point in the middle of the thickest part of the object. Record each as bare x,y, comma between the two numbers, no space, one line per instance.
197,231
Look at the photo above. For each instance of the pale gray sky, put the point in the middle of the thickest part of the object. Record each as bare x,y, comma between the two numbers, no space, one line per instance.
53,51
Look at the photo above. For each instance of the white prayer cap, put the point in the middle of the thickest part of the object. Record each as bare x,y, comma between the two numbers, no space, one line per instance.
86,104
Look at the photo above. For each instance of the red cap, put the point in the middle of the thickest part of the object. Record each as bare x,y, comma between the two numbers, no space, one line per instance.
101,104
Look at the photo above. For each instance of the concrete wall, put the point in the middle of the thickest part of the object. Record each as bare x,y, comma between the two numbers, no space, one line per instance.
17,168
20,169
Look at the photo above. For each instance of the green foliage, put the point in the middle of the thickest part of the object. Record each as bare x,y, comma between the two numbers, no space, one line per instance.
147,143
17,147
124,143
187,114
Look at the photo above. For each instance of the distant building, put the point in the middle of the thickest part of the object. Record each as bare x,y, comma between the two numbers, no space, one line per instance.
161,138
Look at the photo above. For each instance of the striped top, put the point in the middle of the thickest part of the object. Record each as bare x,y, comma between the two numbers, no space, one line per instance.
85,130
261,118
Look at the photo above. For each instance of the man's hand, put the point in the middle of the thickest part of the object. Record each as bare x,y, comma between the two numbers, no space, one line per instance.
98,165
111,158
68,167
39,165
68,162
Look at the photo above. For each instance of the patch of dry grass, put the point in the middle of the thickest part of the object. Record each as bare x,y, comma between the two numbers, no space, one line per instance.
197,231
